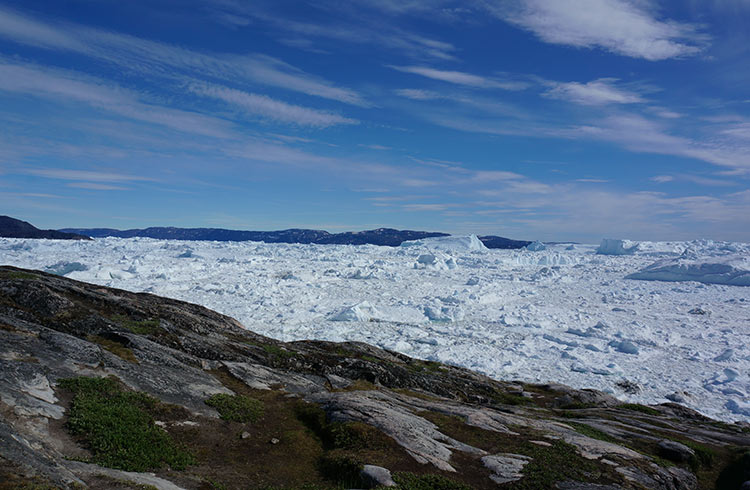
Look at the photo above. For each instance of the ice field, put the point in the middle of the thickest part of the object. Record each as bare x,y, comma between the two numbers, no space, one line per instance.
634,321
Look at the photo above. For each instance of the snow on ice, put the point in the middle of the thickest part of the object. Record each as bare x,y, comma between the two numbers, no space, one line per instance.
565,314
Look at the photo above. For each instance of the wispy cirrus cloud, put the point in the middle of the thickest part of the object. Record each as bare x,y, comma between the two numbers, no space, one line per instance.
65,87
354,27
268,108
626,27
163,60
462,78
87,175
93,186
597,92
640,134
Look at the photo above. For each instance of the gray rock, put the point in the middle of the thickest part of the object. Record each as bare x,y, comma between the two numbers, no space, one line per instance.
674,451
661,478
505,467
420,437
577,485
376,476
629,387
677,397
139,479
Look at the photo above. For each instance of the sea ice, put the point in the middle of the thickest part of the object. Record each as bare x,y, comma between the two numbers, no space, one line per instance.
536,246
452,243
510,314
733,270
611,246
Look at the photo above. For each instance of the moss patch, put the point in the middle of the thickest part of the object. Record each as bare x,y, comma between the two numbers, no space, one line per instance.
114,347
412,481
505,398
236,408
593,433
140,327
117,426
5,274
636,407
549,465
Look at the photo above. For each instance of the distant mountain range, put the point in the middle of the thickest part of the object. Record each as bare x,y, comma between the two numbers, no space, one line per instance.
380,236
15,228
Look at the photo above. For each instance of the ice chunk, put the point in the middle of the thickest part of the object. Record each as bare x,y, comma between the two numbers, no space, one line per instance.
443,313
610,246
741,407
732,270
624,346
361,312
62,268
437,261
536,246
468,243
724,356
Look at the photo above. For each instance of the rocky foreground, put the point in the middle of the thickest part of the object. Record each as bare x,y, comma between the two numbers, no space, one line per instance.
104,388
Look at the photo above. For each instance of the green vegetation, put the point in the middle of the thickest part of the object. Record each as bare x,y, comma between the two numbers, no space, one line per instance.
505,398
577,406
117,426
417,366
343,469
636,407
140,327
337,435
16,275
236,408
549,465
704,455
593,433
114,347
411,481
277,352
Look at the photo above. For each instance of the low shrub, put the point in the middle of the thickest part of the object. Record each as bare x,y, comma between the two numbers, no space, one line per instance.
116,425
236,408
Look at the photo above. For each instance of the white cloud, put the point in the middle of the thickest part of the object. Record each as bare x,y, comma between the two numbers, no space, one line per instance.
268,108
597,92
461,78
418,94
662,178
88,175
625,27
495,176
425,207
637,133
27,31
165,60
358,29
64,87
96,187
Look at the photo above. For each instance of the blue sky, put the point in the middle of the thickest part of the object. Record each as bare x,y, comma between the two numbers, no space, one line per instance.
535,119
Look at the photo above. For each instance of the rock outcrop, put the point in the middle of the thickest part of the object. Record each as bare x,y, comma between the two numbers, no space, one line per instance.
329,410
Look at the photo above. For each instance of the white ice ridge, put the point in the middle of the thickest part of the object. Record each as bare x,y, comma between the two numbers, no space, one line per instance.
731,269
449,243
560,314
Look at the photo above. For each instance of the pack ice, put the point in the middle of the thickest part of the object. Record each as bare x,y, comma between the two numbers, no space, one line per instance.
574,315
